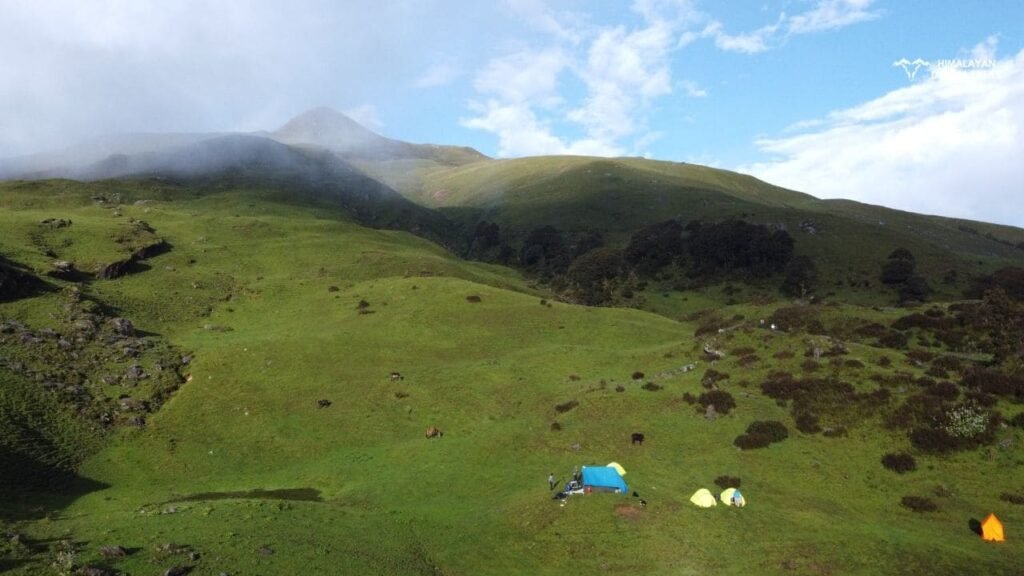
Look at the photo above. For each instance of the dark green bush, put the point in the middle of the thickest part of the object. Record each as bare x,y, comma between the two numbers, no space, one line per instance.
712,377
945,390
722,401
566,406
934,441
774,430
918,504
899,463
724,482
1012,498
808,423
751,441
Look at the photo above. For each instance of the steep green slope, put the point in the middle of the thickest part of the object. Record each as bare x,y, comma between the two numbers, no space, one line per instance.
848,240
281,305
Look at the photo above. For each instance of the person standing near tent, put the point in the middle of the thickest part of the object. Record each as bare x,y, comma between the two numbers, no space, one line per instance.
575,473
551,481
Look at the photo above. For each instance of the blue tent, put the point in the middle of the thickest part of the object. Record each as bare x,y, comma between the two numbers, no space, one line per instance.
603,479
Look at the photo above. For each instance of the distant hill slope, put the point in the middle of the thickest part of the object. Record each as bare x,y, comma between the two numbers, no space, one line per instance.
849,240
333,130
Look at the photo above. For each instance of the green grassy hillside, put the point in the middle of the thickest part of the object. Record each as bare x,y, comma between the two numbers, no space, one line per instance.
280,305
849,241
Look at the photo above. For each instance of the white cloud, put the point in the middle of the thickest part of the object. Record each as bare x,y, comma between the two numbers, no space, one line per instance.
749,43
692,89
986,49
623,73
950,144
366,115
622,70
824,16
437,75
832,15
523,76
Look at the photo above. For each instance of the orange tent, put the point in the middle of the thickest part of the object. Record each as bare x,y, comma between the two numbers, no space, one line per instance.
992,529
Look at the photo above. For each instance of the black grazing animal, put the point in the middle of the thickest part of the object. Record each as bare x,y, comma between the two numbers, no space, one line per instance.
637,438
323,403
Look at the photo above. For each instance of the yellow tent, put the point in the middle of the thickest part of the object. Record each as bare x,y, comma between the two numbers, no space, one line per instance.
992,529
703,498
618,468
732,497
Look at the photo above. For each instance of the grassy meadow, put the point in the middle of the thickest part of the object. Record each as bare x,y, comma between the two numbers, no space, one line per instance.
280,305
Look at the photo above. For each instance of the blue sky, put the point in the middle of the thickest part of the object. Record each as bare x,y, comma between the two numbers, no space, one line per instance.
802,93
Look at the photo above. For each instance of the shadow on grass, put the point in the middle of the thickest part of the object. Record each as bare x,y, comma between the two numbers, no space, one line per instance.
32,489
295,494
974,525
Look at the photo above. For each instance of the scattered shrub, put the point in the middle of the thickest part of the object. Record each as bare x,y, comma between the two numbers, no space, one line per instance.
574,377
748,360
724,482
918,410
1017,420
720,399
651,387
994,382
473,298
810,366
690,399
934,441
899,463
712,377
873,330
620,388
894,340
783,354
937,372
566,406
744,351
918,504
774,430
751,441
363,305
807,423
966,421
333,289
556,427
918,355
945,390
638,375
947,363
857,364
1012,498
837,432
981,399
884,362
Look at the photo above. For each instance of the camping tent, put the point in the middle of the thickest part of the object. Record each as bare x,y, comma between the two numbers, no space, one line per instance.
618,468
992,529
603,479
703,498
732,497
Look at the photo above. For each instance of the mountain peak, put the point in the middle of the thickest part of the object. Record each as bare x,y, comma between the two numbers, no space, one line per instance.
327,127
